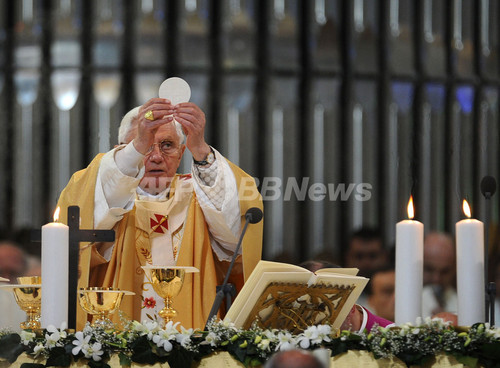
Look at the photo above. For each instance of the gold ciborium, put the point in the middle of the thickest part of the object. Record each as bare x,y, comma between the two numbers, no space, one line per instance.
101,302
28,295
167,283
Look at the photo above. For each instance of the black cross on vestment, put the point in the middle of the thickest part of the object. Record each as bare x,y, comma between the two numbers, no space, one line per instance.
76,236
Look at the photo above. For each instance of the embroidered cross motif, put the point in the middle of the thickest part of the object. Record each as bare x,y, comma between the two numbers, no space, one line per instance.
158,224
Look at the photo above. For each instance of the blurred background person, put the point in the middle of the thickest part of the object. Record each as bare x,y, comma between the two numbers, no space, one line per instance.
294,359
33,266
439,292
380,291
366,252
13,263
314,264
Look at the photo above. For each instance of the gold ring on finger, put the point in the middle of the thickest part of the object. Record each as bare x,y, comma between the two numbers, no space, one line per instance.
149,115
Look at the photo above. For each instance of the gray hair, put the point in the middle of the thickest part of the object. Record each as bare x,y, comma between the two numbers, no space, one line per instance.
126,127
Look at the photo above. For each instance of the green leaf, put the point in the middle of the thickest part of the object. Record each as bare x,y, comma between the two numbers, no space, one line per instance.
32,365
142,352
338,347
491,350
180,358
145,357
412,358
466,360
124,359
58,358
256,362
238,352
99,364
160,351
10,347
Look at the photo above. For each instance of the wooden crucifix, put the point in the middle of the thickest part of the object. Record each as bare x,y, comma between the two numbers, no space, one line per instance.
76,236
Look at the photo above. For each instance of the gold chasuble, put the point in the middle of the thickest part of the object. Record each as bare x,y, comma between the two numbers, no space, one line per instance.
131,249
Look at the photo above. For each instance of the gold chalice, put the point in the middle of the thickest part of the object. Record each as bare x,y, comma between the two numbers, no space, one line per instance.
28,296
167,283
101,302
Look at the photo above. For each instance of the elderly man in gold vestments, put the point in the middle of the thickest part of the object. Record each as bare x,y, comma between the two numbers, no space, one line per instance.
163,218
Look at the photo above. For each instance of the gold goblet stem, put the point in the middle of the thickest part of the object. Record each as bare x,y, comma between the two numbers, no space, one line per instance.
168,313
32,319
103,321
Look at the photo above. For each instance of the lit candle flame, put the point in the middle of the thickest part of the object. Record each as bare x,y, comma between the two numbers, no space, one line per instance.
411,212
56,214
466,209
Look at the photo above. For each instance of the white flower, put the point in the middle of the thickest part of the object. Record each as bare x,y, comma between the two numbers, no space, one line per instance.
171,328
229,325
52,338
38,349
81,342
493,332
146,328
163,337
184,337
62,330
323,332
285,341
93,351
405,329
304,342
314,335
270,335
165,344
264,345
88,330
27,337
439,323
211,339
162,342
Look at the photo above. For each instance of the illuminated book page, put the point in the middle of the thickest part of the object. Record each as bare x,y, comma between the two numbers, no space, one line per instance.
306,286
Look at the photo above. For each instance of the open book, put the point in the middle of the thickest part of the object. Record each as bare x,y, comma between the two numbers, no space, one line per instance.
285,296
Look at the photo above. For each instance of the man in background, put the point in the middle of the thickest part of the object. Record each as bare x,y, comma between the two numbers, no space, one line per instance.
439,292
13,263
380,290
366,252
294,359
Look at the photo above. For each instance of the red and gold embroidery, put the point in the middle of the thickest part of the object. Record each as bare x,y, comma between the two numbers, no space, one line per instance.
160,224
147,255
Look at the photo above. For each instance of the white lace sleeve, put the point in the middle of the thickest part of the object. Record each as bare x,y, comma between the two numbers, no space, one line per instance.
220,205
116,185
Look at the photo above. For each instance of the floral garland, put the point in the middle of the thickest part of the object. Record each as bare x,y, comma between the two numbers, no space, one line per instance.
148,343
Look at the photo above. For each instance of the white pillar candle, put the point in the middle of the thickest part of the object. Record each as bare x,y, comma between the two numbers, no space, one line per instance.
470,270
55,253
409,269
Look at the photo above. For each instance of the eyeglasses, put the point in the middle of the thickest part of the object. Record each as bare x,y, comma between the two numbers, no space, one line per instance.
166,148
